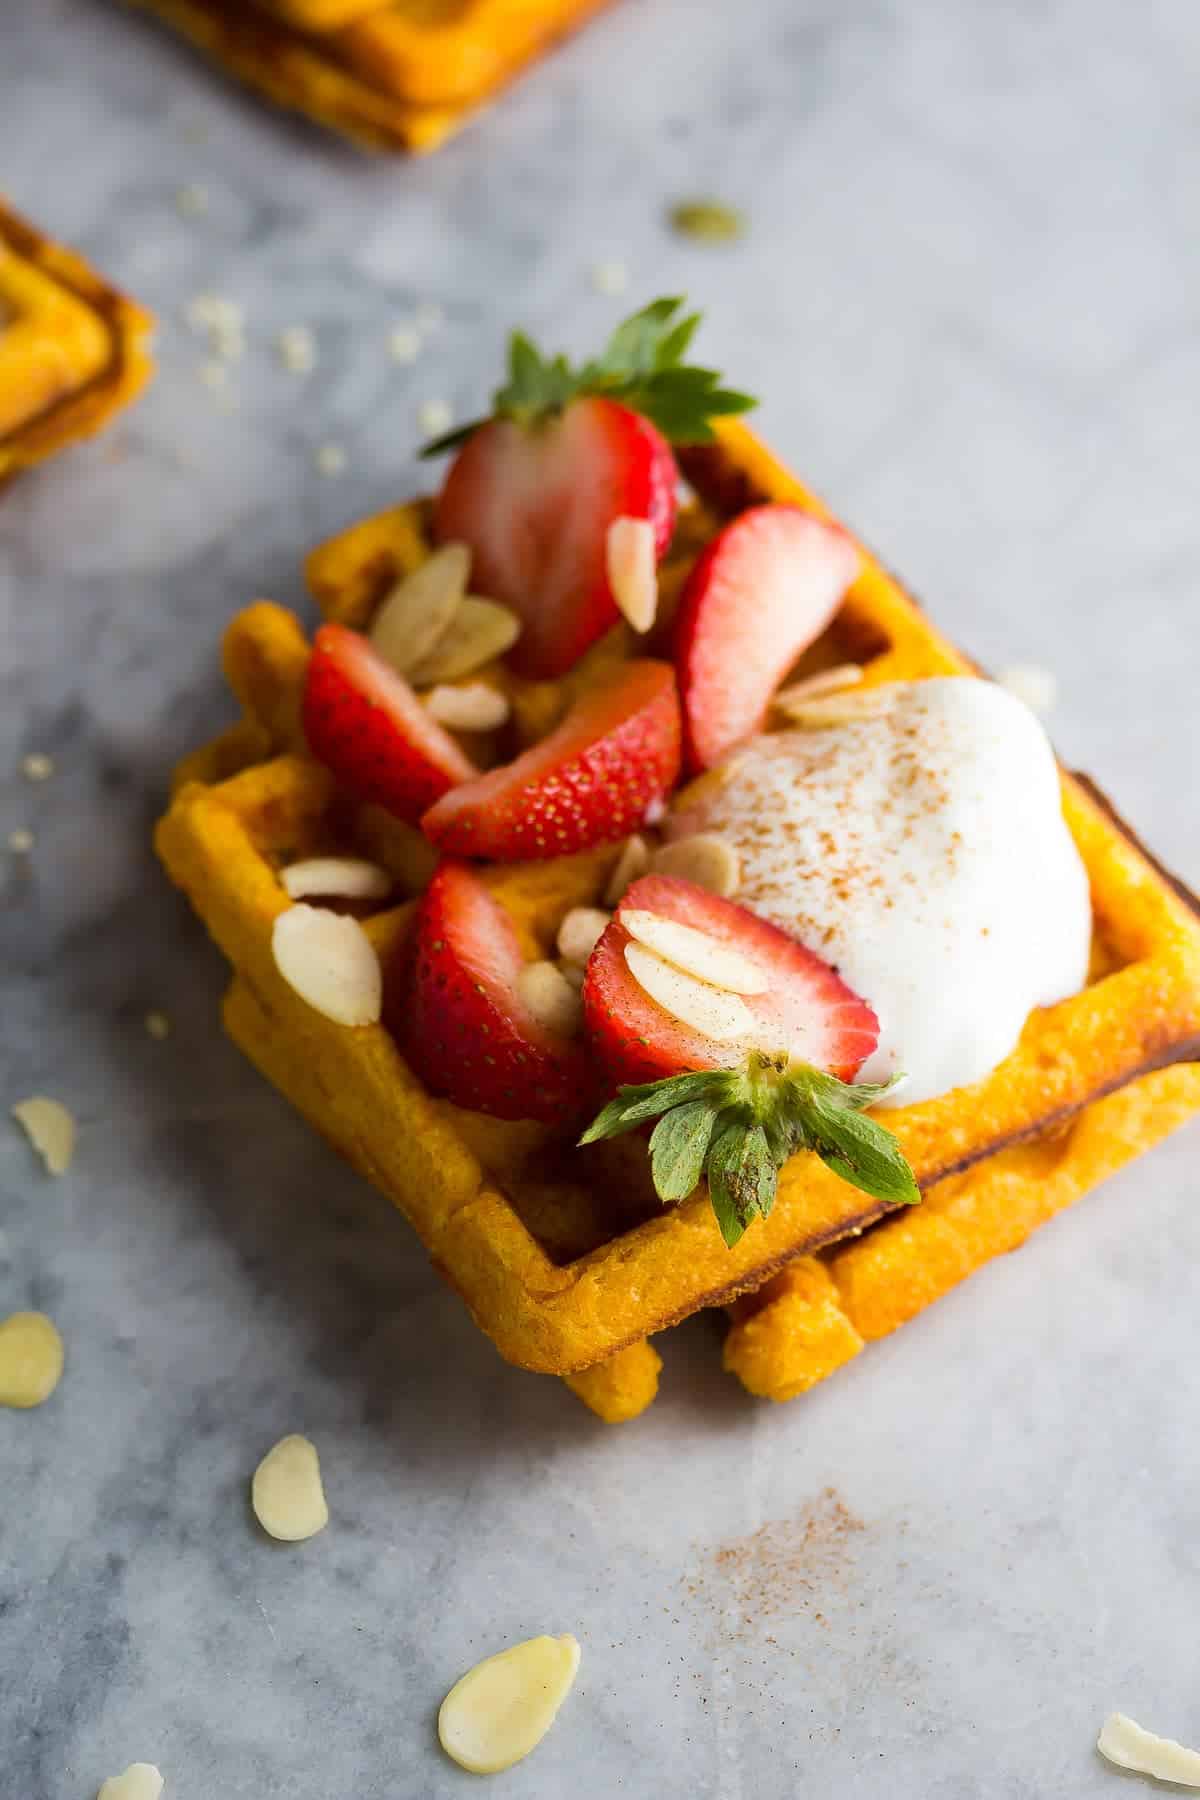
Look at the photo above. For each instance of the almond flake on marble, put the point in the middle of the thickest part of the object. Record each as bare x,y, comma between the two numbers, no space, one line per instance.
31,1359
420,608
713,1011
550,998
336,877
286,1491
610,276
696,953
191,200
50,1128
502,1708
328,959
475,707
1036,686
20,841
141,1781
37,766
404,344
434,418
1127,1744
632,568
711,862
580,932
331,459
297,349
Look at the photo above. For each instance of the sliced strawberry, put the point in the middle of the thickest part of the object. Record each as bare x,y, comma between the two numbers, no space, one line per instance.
457,1017
764,589
535,502
807,1011
364,722
590,782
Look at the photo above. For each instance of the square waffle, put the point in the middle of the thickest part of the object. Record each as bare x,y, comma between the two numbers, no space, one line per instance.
391,74
72,350
564,1257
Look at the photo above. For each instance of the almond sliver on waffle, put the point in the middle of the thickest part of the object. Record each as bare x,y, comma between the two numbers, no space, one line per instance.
564,1257
72,349
400,76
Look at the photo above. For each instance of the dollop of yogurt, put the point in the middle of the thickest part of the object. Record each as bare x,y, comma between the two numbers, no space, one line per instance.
921,849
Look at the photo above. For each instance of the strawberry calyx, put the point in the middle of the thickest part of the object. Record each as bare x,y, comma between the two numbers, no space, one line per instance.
738,1127
641,366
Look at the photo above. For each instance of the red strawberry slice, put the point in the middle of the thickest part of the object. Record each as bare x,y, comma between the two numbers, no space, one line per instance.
808,1009
764,589
457,1018
590,782
535,504
364,722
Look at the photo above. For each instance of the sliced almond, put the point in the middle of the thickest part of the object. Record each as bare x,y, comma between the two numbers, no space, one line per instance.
711,862
49,1128
141,1781
573,973
632,567
475,707
479,631
286,1491
696,953
1129,1746
420,609
713,1011
580,932
31,1359
814,687
840,709
329,960
337,877
502,1708
544,991
631,865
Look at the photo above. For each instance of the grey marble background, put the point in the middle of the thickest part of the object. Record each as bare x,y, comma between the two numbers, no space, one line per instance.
970,295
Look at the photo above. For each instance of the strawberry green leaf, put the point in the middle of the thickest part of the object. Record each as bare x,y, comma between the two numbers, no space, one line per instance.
635,1106
678,1148
862,1152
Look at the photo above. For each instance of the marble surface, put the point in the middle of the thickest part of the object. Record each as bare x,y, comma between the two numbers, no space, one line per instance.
969,294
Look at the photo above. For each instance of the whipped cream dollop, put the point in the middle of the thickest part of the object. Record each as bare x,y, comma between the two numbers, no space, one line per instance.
921,849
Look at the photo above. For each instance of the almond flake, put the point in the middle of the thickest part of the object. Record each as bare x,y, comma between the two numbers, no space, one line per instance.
580,932
696,953
141,1781
338,877
286,1491
712,1011
20,841
502,1708
610,277
840,709
191,202
481,630
475,707
632,567
435,418
50,1129
328,959
31,1359
814,687
37,766
1036,686
573,973
1126,1744
420,609
297,348
630,866
711,862
330,459
545,992
404,344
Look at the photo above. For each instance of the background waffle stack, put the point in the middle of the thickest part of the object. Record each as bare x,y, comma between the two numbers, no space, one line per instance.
73,351
564,1258
396,75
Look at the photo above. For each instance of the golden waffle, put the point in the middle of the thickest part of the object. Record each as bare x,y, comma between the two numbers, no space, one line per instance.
72,350
564,1257
391,74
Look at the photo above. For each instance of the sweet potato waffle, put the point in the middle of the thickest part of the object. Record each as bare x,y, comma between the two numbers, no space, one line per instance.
564,1256
72,350
391,74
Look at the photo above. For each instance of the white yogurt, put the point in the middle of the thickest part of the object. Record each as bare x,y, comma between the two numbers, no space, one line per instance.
924,853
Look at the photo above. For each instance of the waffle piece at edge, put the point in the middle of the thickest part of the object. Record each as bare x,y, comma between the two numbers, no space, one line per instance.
404,75
72,350
556,1290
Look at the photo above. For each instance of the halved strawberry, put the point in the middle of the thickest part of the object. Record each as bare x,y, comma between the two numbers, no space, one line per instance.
764,589
535,504
590,782
807,1011
364,722
733,1106
566,452
457,1017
